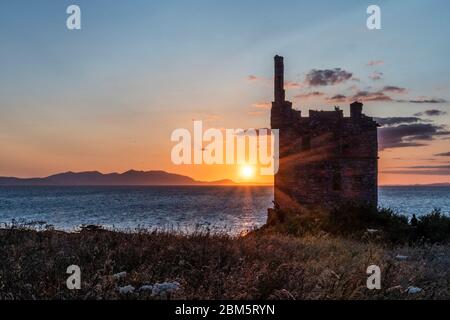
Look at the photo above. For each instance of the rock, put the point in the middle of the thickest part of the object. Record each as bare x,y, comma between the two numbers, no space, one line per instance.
395,288
120,275
413,290
146,287
165,288
126,290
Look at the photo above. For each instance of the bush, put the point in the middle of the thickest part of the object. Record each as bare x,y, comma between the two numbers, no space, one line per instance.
433,227
355,222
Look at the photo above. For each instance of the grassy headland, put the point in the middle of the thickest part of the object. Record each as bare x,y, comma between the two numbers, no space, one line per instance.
310,259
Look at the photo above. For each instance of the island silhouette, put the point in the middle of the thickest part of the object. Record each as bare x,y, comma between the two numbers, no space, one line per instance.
96,178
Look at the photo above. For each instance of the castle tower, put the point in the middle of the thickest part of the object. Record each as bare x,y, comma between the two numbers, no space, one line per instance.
326,159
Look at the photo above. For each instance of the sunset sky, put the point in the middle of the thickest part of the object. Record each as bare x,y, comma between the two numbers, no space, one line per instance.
107,97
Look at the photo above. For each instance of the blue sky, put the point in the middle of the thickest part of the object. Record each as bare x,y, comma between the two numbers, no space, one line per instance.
137,65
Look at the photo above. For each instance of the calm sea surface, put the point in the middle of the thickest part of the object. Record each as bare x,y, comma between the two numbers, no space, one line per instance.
231,209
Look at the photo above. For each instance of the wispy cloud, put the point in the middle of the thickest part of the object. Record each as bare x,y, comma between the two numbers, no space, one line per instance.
385,94
425,100
379,95
376,76
262,105
390,121
432,172
394,89
337,98
259,80
443,169
293,85
371,96
431,113
373,63
444,154
309,95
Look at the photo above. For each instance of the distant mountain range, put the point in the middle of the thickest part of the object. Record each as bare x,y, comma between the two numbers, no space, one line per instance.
95,178
130,178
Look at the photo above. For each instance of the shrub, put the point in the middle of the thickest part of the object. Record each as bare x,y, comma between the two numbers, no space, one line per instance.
355,221
433,227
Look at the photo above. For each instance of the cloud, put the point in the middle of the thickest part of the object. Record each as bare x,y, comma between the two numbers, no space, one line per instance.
379,95
423,170
366,95
443,133
384,94
262,105
425,100
432,172
375,63
327,77
309,95
376,76
394,89
430,167
407,135
292,85
390,121
337,98
431,113
260,80
371,96
445,154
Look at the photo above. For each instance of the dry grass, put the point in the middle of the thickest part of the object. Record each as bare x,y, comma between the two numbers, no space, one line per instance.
259,266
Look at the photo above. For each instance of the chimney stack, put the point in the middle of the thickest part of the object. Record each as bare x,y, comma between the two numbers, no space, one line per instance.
279,79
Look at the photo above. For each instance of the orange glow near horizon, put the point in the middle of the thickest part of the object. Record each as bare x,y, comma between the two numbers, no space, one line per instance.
43,165
389,161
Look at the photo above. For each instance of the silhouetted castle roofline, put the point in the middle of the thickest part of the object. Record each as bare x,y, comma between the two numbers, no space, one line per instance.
286,114
337,113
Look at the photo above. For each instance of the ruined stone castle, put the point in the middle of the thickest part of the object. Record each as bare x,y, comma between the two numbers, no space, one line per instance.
326,159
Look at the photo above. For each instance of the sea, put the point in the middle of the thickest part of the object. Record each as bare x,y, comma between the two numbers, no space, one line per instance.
230,209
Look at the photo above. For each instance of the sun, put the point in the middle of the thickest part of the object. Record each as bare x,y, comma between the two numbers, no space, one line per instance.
247,172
